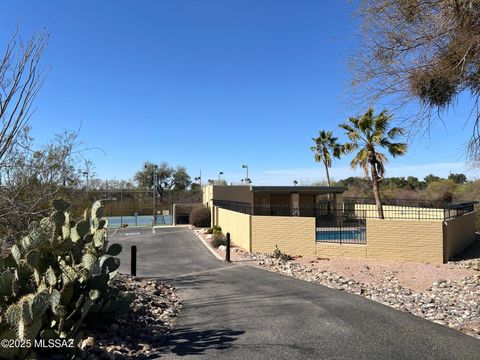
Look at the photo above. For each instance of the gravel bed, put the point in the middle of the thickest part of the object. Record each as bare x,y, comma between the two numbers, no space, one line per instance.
451,303
139,334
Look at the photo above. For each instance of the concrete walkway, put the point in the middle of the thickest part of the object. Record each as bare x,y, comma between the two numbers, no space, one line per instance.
234,311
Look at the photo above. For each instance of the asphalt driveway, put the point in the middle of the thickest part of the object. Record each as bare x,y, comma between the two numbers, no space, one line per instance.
234,311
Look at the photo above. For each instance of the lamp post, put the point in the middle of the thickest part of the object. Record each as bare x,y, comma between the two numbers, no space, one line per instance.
295,182
86,173
245,166
154,193
219,174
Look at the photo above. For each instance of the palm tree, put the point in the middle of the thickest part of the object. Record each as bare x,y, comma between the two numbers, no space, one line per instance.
367,133
325,147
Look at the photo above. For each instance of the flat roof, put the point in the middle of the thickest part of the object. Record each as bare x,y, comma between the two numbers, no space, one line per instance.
300,189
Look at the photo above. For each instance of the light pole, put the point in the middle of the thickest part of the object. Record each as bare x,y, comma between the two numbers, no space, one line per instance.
220,174
86,173
154,193
295,182
245,166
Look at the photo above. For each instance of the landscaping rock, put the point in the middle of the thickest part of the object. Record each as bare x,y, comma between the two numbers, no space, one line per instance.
451,303
139,334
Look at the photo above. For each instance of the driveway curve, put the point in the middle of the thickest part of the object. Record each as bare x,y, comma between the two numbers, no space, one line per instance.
234,311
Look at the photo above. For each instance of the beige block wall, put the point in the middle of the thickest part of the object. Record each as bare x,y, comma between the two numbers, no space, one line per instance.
293,235
344,250
459,234
406,240
237,224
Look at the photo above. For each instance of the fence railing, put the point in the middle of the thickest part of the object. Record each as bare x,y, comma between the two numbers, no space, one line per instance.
346,223
351,211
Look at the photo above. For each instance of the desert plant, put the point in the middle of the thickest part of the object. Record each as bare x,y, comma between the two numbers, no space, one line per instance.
200,217
278,254
219,239
55,276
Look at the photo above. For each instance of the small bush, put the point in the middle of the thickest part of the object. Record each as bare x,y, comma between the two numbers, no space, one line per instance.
217,228
277,254
200,217
218,240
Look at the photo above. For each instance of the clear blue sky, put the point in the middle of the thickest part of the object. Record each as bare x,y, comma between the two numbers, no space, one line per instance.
207,84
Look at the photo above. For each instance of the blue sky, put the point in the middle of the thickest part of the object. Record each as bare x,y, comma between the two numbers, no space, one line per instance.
210,85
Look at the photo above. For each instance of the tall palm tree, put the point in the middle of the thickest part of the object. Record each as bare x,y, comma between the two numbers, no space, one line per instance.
325,147
367,133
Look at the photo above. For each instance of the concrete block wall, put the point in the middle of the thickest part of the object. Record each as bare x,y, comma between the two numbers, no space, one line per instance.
293,235
405,240
427,241
237,224
459,234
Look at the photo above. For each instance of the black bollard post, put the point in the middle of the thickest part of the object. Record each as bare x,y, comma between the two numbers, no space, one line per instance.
227,250
133,260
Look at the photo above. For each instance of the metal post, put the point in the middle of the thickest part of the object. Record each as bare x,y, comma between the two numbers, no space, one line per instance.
133,260
227,250
154,196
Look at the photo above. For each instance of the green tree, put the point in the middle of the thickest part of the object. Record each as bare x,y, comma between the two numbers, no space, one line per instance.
167,178
458,178
326,147
431,178
366,134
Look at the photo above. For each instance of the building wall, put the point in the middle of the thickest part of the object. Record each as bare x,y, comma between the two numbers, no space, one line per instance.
237,224
344,250
293,235
405,240
239,193
459,233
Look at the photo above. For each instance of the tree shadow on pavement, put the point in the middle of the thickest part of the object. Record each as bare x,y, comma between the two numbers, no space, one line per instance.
186,341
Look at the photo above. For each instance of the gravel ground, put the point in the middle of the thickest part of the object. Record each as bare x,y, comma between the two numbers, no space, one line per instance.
447,294
141,333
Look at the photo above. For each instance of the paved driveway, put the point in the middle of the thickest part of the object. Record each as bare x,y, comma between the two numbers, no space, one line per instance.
233,311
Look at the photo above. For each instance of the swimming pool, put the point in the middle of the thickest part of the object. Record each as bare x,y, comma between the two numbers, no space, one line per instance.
344,235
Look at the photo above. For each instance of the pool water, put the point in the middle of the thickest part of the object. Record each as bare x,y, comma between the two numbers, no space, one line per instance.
353,235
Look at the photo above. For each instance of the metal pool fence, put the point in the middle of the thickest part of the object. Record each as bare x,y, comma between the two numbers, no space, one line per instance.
346,222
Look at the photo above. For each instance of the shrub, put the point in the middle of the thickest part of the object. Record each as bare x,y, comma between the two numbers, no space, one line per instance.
218,240
277,254
56,277
217,228
200,217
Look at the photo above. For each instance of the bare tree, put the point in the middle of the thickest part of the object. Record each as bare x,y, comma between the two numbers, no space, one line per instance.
425,52
33,176
21,77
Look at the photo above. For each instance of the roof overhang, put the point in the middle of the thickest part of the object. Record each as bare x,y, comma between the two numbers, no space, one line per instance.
314,190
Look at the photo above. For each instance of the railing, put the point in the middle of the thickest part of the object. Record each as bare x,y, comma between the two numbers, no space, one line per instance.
350,210
346,223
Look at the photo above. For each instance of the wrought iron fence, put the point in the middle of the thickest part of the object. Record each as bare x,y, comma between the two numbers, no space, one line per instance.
345,223
352,211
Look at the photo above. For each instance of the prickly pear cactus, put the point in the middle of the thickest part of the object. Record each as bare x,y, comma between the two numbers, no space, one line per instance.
57,275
